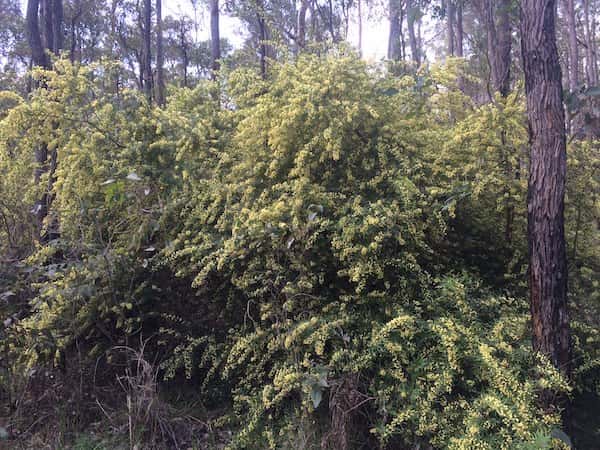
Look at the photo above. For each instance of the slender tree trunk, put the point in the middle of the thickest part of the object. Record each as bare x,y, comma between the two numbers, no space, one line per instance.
360,27
215,38
450,14
499,43
52,14
459,30
160,75
569,7
301,39
394,52
590,38
147,52
186,63
57,26
412,13
262,30
546,190
38,56
330,21
314,28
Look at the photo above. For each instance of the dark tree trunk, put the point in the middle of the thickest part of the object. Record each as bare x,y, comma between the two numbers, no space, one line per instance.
52,14
262,36
590,38
451,15
215,38
330,21
160,76
412,13
394,52
147,52
38,55
459,30
546,190
498,42
301,39
57,26
315,30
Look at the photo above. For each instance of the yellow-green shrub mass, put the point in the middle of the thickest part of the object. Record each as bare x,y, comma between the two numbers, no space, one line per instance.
320,253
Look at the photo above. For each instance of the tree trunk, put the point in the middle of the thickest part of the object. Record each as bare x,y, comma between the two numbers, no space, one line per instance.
360,27
590,38
52,14
330,21
569,7
160,76
546,190
215,38
262,31
499,43
394,52
147,52
301,39
57,26
459,29
38,55
412,13
450,15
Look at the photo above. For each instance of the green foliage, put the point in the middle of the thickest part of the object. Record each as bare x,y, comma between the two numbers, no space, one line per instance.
319,251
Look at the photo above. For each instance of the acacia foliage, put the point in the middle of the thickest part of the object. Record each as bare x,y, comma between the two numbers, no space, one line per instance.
302,248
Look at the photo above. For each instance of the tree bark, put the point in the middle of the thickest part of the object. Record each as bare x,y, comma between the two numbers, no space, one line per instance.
394,52
52,14
262,31
360,27
301,40
569,7
450,16
499,43
215,38
459,29
57,26
147,52
412,13
590,37
38,56
160,75
546,189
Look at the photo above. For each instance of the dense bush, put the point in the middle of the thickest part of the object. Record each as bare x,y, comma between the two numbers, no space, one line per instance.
322,252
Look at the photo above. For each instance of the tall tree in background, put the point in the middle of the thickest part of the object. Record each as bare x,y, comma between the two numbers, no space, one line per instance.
590,44
413,14
546,189
573,73
262,36
51,40
38,53
360,26
147,49
160,56
215,37
459,29
451,17
495,15
301,37
396,16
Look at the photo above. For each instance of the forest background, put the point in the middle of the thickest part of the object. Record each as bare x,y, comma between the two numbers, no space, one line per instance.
249,224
